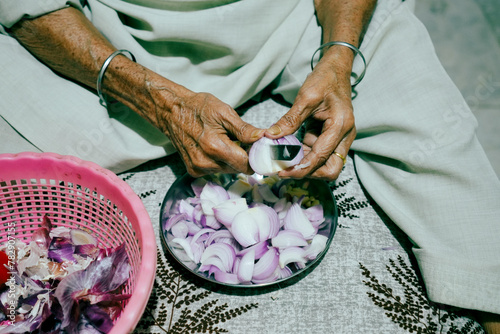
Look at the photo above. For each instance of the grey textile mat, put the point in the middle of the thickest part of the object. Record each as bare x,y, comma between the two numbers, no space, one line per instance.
367,282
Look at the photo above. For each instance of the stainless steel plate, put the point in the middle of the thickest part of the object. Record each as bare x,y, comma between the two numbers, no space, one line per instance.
181,189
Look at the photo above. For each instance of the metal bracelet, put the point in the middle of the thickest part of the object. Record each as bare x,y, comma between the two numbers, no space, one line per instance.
104,67
350,46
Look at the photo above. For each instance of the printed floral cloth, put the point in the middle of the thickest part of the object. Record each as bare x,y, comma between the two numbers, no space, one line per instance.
367,282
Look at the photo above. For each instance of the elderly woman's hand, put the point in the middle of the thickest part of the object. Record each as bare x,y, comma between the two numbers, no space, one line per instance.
324,104
203,130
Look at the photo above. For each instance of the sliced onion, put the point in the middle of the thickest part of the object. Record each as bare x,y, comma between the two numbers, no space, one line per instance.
285,272
211,195
267,194
210,221
271,278
180,230
260,157
268,223
224,252
187,208
245,229
246,266
266,265
315,214
227,278
292,255
218,235
186,245
227,210
174,219
260,249
197,248
288,238
193,228
318,244
200,233
238,188
217,262
240,242
197,214
197,186
295,219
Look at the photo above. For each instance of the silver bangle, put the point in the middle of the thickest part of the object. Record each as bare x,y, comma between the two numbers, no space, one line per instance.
350,46
104,67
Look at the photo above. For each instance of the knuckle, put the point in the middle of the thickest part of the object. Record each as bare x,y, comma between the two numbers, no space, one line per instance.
327,173
195,173
243,129
350,121
210,147
310,97
199,164
193,170
290,120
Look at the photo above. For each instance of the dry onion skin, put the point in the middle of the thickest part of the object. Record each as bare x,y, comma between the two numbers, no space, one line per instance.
63,282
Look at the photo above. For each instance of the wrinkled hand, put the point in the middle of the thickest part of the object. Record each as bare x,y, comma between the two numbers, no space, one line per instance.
203,130
324,103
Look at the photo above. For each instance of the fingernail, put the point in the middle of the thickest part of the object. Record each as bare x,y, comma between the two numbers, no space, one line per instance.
274,130
257,134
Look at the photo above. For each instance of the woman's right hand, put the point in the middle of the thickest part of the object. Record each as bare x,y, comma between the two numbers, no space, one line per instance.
204,130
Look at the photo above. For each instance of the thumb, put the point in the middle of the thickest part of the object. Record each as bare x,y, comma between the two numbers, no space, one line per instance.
287,124
245,132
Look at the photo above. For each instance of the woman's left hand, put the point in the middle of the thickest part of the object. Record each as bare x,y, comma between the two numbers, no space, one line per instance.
324,103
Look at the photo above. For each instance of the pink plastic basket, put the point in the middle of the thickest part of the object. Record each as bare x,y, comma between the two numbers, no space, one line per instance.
76,193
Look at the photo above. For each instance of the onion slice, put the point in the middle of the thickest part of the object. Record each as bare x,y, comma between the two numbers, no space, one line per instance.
266,265
318,244
292,254
289,238
246,266
296,219
227,210
260,157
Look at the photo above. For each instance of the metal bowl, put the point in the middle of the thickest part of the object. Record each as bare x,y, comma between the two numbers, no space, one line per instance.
181,189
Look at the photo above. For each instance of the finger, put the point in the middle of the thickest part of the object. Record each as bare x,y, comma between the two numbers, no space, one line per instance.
229,156
198,165
334,131
241,130
289,123
312,132
322,146
333,166
237,161
197,162
327,165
